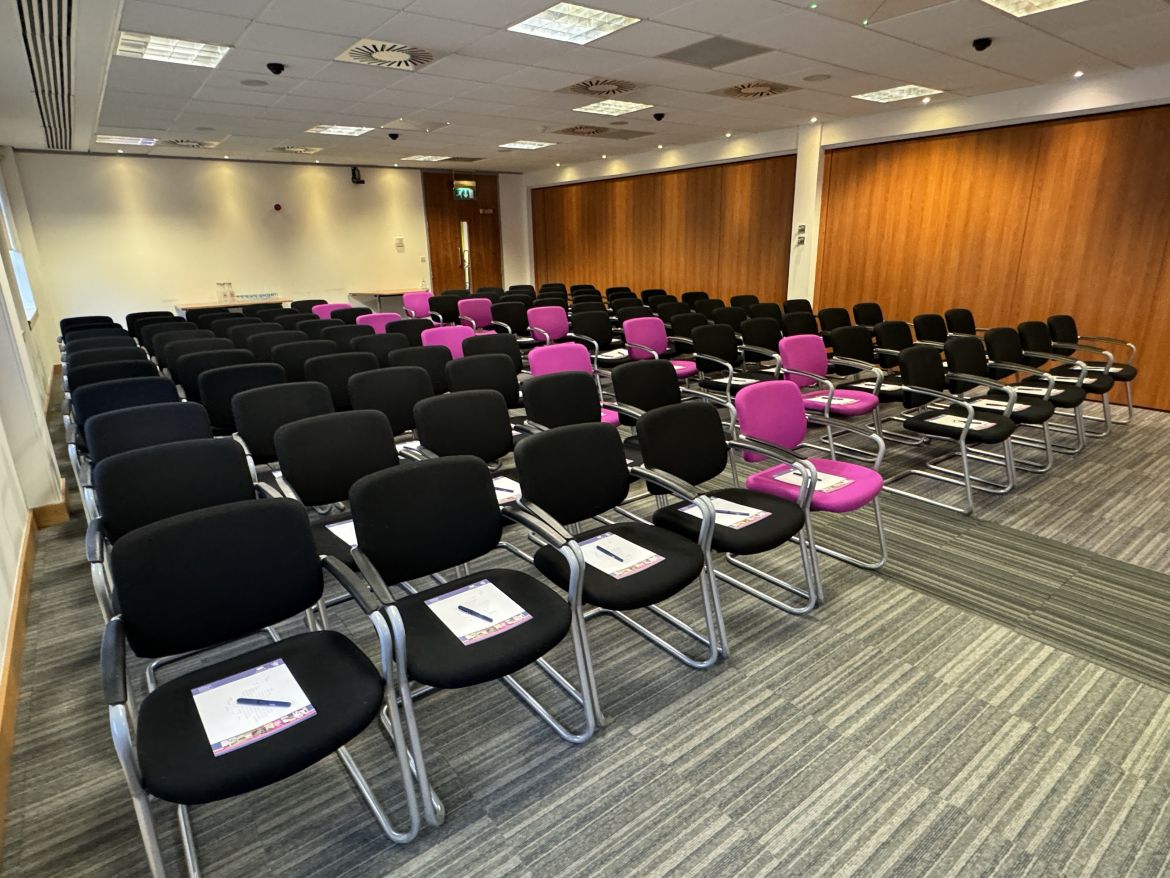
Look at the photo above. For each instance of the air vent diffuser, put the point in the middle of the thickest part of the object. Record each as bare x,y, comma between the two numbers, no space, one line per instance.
597,86
192,144
599,131
297,150
379,53
754,90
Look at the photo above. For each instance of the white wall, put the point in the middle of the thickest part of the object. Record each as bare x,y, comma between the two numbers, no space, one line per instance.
117,234
515,230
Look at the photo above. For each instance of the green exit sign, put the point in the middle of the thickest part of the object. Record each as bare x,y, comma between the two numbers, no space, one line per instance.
464,190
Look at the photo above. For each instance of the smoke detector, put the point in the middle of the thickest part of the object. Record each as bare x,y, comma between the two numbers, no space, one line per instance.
754,90
379,53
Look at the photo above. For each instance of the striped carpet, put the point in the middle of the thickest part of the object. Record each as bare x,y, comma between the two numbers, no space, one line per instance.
994,703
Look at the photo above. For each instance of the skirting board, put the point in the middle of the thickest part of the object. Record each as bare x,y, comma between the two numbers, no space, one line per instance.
13,657
52,513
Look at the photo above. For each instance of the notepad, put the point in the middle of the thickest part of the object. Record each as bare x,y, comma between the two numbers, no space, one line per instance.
230,725
736,381
826,483
836,400
411,445
1066,379
999,405
615,354
477,611
960,421
344,531
728,514
507,490
616,556
1102,368
865,385
1030,391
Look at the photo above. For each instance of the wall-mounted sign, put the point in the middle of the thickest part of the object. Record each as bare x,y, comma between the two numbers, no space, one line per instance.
464,190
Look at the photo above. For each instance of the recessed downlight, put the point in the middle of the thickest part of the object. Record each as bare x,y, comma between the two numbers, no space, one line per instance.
1078,74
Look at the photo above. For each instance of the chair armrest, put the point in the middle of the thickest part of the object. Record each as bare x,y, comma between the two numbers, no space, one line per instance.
113,661
641,347
1020,367
808,472
467,321
357,589
930,344
939,394
547,522
535,329
889,352
94,542
989,383
756,349
680,339
1057,358
622,408
266,492
859,365
1110,340
822,380
672,483
1108,355
539,524
691,393
535,427
502,327
585,340
436,319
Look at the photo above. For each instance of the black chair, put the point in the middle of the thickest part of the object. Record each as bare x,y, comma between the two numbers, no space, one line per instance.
867,314
693,296
187,368
172,594
762,333
262,344
193,314
486,372
960,321
135,317
830,319
67,323
397,514
204,317
306,305
315,329
174,350
893,337
165,338
267,313
349,315
240,333
257,309
768,309
290,319
150,331
683,325
745,301
793,306
393,391
495,343
104,355
445,308
799,323
718,353
647,295
595,331
217,387
80,376
732,316
105,330
474,422
563,398
334,371
687,441
379,345
433,358
124,430
101,343
411,329
930,329
293,356
1066,337
668,310
707,307
1040,353
141,323
853,346
344,336
260,412
586,306
223,326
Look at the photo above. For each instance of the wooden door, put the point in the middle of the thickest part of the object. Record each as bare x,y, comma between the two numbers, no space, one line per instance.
445,214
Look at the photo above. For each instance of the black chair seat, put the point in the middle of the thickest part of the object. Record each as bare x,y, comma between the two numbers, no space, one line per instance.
891,388
1064,396
785,521
1098,380
176,759
682,561
1001,427
437,657
1037,410
328,543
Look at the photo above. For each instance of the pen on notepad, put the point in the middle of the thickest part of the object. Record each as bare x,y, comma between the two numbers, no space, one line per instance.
471,612
606,551
730,512
263,702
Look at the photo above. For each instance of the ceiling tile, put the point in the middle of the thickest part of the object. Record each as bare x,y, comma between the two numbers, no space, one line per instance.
238,95
716,18
334,17
476,69
239,8
770,65
335,91
253,62
674,74
301,43
649,38
439,35
540,78
514,48
154,77
496,13
1136,42
183,24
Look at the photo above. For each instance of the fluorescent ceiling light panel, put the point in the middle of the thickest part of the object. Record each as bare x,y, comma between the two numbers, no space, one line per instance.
152,48
526,144
612,108
426,158
1020,8
126,141
342,130
571,23
898,93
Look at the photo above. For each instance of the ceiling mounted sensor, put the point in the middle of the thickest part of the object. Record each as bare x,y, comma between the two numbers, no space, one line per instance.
754,90
192,144
297,150
601,87
379,53
599,131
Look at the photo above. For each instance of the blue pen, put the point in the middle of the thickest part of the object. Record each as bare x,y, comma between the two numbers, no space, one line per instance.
606,551
472,612
730,512
263,702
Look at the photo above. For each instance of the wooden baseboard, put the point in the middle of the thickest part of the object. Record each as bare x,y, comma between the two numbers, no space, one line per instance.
53,382
53,513
13,657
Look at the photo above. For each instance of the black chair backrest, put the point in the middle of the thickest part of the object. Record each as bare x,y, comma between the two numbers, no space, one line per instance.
334,371
293,356
79,376
486,372
218,386
187,368
412,329
792,306
254,310
107,396
653,302
122,430
268,313
799,323
685,440
134,318
893,335
259,413
562,398
745,301
621,296
223,325
667,310
456,294
761,332
707,307
1004,346
349,315
1062,328
173,350
91,321
204,317
647,295
717,340
693,296
315,329
447,307
405,516
262,343
588,306
306,305
625,314
596,482
379,345
620,306
731,316
768,309
1034,337
143,322
344,336
921,366
105,355
646,384
854,343
960,320
832,318
433,358
472,422
684,325
240,334
102,331
165,338
930,327
393,391
321,457
965,355
150,331
175,596
93,344
193,314
867,314
290,319
593,324
153,482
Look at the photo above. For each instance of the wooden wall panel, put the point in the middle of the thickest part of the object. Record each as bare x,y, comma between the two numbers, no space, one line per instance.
1015,223
724,229
444,214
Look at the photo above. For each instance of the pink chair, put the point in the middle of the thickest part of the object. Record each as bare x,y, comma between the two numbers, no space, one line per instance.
646,339
378,321
417,304
450,337
567,356
323,311
773,413
476,312
549,323
806,363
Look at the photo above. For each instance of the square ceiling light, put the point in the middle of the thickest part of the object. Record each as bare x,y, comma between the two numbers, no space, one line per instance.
116,140
426,158
526,144
898,93
342,130
1020,8
612,108
152,48
571,23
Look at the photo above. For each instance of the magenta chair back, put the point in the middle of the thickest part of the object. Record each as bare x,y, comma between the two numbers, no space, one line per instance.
772,411
549,323
806,353
564,357
417,304
323,311
450,337
476,311
649,332
378,321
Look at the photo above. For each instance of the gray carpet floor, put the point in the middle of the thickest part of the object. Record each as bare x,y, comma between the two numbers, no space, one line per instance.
995,702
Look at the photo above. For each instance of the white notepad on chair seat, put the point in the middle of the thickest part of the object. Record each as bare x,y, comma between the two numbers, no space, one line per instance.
616,354
728,514
735,381
507,490
1030,391
960,421
999,405
344,530
826,483
230,725
477,612
616,556
836,400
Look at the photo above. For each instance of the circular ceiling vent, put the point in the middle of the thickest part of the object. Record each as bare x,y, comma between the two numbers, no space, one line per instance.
193,144
583,130
378,53
603,87
754,90
298,150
